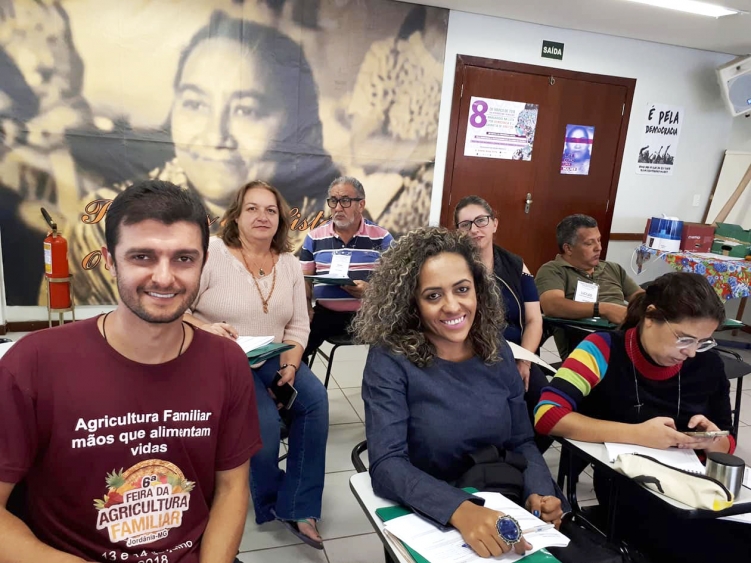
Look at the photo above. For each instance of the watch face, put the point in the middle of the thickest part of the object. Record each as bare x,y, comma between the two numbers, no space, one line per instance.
508,529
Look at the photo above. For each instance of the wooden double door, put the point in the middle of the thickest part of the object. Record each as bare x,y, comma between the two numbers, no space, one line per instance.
532,196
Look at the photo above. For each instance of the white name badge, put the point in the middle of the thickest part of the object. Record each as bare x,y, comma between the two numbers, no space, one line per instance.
586,292
340,265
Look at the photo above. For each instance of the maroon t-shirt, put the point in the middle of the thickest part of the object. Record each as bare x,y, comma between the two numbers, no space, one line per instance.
120,457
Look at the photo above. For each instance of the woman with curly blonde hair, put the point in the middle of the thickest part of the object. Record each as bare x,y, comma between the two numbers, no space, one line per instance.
440,384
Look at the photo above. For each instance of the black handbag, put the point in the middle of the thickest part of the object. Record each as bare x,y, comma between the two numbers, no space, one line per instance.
496,471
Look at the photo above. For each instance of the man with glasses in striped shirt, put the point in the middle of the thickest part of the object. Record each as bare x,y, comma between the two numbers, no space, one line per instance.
348,241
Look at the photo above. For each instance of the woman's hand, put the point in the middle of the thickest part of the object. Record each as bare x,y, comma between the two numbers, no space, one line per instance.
660,433
288,373
547,508
523,366
476,524
700,423
221,329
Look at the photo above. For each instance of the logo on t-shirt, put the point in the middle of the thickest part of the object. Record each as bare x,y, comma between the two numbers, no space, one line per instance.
143,502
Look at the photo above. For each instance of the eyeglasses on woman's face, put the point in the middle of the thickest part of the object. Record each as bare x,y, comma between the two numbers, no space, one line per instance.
683,342
479,222
344,201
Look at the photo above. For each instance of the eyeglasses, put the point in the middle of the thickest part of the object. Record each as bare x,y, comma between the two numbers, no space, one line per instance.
683,342
344,201
479,222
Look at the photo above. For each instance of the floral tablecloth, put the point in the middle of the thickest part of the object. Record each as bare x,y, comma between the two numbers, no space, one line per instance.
731,279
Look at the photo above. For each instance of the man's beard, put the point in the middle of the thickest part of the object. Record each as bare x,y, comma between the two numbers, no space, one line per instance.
132,301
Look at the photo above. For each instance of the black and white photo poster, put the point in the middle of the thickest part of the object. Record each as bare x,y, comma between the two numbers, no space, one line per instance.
659,144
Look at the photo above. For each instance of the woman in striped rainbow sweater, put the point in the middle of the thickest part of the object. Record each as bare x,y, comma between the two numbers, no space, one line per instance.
646,385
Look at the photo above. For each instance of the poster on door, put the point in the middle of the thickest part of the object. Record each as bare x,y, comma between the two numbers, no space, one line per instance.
500,129
659,144
577,149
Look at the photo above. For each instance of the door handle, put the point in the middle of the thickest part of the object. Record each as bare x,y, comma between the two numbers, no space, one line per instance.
528,203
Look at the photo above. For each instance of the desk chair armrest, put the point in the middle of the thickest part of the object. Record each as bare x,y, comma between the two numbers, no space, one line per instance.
356,460
733,353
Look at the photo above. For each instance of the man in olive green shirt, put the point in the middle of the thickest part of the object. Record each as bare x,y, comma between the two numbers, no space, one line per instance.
577,284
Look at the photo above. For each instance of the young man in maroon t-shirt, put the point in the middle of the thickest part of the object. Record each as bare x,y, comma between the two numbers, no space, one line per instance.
130,432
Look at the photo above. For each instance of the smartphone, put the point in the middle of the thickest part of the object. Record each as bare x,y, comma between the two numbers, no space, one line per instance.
284,394
716,434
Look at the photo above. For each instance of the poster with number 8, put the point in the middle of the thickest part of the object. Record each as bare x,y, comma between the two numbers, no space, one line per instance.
500,129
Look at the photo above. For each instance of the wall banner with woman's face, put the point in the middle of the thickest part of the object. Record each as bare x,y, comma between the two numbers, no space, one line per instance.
98,94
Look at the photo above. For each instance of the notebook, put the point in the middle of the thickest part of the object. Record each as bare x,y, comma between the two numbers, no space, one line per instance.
267,352
391,512
250,343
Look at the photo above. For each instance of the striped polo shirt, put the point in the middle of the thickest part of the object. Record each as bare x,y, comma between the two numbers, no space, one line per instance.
364,249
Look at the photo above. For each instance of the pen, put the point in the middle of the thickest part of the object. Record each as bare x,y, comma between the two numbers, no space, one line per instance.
540,528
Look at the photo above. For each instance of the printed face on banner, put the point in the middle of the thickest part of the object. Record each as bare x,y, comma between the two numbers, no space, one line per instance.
577,149
500,129
231,93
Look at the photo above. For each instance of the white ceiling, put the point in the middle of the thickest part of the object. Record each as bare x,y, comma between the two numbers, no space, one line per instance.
730,34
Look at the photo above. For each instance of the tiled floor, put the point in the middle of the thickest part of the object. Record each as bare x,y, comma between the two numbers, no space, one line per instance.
348,536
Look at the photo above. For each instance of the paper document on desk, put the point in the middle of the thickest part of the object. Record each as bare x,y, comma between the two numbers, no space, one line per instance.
680,459
742,518
448,546
250,343
524,354
4,347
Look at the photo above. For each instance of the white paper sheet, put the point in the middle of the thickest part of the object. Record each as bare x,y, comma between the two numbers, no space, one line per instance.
449,546
742,518
4,347
250,343
524,354
680,459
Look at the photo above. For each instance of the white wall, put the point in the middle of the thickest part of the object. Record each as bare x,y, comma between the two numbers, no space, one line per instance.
740,134
665,74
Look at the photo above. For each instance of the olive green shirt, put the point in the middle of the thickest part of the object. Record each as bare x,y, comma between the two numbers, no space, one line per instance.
615,286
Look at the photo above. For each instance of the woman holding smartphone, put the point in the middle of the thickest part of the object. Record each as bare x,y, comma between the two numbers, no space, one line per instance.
650,384
252,285
440,384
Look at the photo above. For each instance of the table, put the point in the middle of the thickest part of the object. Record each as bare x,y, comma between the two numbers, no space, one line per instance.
596,454
730,278
362,488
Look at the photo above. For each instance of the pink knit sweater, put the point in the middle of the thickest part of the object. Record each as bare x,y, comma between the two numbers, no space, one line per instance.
228,294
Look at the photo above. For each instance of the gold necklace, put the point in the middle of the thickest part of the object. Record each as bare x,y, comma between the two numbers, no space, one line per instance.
260,269
264,300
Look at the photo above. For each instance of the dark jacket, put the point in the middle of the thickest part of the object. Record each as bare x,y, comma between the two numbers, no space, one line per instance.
508,268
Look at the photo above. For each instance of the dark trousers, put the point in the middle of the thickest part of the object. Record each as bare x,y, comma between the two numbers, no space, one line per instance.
326,323
645,523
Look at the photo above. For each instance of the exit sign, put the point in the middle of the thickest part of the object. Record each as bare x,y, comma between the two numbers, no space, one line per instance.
552,50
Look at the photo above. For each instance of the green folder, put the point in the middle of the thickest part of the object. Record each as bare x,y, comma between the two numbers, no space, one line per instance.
263,353
590,322
390,512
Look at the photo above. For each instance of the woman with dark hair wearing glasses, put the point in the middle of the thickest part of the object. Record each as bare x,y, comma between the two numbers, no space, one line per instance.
647,385
521,302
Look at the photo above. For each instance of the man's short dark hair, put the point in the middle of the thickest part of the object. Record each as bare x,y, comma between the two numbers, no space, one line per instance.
154,199
566,231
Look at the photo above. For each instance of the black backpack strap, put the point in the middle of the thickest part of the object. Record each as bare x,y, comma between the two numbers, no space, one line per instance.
488,454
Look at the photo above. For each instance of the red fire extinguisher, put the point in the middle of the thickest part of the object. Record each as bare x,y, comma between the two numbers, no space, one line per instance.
56,265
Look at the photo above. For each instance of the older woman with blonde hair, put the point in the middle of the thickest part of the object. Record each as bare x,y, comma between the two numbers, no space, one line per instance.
252,285
440,384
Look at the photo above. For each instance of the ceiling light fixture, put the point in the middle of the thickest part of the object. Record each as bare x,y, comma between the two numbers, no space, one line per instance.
692,7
